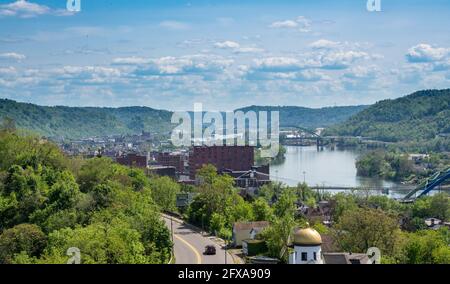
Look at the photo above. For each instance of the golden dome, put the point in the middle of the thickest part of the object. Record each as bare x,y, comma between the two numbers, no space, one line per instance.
307,237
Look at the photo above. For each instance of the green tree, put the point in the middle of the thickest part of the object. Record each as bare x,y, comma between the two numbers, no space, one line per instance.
94,172
261,210
27,238
440,206
341,203
103,194
68,218
24,192
139,180
278,237
217,195
164,192
437,206
285,206
64,193
107,211
425,247
304,192
8,125
217,224
139,211
98,243
270,192
360,229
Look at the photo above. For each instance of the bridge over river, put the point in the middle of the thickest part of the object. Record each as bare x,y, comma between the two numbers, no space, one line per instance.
407,193
319,139
435,182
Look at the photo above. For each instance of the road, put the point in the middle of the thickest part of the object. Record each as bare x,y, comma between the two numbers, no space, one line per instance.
189,245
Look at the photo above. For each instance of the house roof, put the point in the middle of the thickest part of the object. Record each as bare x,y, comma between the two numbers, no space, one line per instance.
250,225
345,258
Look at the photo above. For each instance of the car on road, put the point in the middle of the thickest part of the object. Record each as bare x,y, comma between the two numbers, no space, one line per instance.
210,250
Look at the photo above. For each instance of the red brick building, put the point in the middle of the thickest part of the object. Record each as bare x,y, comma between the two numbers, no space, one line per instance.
235,158
171,160
133,160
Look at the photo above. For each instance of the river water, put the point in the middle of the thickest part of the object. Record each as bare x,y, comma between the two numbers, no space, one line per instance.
329,168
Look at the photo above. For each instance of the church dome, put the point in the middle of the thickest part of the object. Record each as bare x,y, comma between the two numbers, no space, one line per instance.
307,237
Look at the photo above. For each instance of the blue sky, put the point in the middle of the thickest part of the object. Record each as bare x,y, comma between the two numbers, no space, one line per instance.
224,54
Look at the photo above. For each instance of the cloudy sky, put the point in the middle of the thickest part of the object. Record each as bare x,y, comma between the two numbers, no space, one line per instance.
225,54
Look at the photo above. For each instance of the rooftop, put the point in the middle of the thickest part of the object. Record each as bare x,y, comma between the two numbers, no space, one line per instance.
345,258
250,225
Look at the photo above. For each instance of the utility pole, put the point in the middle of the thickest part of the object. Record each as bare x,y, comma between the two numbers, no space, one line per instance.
203,228
226,248
304,177
171,227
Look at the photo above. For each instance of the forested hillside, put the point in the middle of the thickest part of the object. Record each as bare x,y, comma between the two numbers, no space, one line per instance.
291,116
49,203
80,122
421,116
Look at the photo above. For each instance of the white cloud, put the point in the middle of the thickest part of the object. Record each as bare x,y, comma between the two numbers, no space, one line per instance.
88,70
26,9
227,44
174,25
310,76
324,44
248,50
427,53
277,64
8,71
205,65
328,60
236,47
12,56
410,74
284,24
301,24
301,76
87,74
441,66
362,72
341,59
304,23
131,60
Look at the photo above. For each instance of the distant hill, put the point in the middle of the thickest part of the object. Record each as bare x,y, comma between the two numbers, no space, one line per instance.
79,122
309,117
422,115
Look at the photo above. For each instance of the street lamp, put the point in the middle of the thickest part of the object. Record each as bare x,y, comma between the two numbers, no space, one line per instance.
304,177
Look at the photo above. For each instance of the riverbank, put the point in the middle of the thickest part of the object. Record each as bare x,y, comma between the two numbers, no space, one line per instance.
329,168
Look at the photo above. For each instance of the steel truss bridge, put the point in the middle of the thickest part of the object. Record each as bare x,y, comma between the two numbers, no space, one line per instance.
428,185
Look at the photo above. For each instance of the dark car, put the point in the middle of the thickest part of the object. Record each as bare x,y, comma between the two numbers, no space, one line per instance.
210,250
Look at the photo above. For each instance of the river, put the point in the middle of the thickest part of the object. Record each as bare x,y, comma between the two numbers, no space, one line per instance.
329,168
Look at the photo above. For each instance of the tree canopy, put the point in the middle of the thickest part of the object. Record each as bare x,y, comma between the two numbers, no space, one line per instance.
104,209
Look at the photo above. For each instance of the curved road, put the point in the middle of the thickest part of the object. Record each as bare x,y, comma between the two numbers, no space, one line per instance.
189,245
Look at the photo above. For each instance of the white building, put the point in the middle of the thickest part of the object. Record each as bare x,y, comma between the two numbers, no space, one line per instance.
307,246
